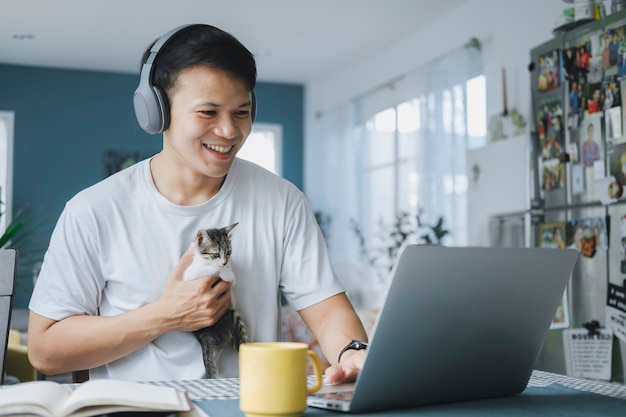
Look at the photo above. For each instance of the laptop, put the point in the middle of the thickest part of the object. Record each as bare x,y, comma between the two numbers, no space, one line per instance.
457,324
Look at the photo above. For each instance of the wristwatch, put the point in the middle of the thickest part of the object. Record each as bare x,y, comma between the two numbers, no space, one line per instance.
354,345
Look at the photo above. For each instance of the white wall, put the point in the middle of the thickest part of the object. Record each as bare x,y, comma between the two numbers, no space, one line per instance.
507,29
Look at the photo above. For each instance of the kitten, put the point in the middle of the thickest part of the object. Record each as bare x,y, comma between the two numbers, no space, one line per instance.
212,250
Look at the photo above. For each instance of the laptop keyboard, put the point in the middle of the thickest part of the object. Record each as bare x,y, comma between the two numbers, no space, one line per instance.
335,395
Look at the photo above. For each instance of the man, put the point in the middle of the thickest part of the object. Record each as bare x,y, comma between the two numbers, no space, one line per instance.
590,149
110,296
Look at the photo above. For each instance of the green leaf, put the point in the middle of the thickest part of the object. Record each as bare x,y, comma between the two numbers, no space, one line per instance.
29,235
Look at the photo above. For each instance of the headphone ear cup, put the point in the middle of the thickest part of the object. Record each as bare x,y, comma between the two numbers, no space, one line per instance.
148,102
163,109
151,106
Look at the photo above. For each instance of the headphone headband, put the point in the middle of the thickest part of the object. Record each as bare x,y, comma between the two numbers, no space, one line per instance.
163,39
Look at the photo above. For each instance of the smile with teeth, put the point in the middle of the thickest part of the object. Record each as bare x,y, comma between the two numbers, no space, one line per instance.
219,149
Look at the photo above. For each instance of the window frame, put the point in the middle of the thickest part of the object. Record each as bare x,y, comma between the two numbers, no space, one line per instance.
277,131
6,179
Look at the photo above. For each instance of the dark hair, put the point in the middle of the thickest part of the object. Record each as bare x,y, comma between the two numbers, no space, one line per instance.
205,45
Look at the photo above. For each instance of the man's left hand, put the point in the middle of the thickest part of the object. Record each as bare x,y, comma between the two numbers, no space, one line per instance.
346,371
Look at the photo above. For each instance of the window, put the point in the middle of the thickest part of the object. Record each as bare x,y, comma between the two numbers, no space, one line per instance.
398,148
477,112
414,158
6,167
264,147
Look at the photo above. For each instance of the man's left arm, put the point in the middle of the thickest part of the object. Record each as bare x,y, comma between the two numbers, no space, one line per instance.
334,323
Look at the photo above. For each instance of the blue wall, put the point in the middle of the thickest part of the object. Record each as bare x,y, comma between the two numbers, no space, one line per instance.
66,120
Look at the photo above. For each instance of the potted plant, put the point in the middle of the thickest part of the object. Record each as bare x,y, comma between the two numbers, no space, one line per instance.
25,233
382,249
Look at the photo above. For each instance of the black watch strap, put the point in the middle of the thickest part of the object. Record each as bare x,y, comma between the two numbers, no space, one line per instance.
353,345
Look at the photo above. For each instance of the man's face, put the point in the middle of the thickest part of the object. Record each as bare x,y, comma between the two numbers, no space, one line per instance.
209,120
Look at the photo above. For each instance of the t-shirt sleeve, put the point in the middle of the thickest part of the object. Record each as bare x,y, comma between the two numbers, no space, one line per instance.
307,275
70,281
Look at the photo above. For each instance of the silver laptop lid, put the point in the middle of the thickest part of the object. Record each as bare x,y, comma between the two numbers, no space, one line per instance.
461,324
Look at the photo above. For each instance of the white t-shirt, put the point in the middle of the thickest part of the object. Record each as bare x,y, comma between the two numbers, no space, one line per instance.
117,241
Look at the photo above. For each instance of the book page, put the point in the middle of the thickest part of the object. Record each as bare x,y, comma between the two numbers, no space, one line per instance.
135,395
36,397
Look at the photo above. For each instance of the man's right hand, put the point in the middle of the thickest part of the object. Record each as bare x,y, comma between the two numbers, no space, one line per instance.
195,304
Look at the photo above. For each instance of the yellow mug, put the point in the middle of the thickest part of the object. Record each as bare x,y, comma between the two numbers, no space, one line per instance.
273,378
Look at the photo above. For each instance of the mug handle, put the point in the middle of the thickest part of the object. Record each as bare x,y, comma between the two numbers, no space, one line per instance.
317,369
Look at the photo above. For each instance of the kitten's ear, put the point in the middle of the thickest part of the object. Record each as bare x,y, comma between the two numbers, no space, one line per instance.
229,229
200,235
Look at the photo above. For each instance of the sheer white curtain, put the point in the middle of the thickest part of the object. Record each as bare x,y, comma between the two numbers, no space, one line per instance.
398,149
334,192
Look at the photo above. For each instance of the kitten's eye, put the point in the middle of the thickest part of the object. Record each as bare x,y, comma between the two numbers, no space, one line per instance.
230,252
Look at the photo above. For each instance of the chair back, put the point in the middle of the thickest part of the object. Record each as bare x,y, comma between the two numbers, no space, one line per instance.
8,270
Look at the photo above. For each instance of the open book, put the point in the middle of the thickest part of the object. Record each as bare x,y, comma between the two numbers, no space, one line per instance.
94,397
